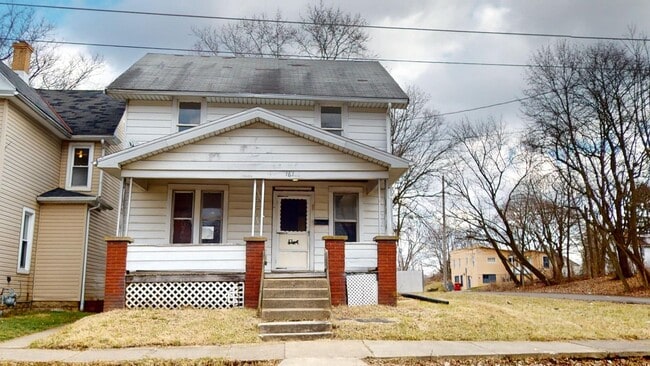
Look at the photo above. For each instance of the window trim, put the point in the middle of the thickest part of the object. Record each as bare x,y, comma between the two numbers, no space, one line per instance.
344,117
356,190
177,110
30,242
91,158
196,214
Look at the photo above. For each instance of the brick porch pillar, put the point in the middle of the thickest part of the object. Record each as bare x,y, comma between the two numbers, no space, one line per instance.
114,280
387,269
335,246
254,270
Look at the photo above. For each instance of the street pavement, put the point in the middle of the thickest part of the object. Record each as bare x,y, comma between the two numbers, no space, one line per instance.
329,352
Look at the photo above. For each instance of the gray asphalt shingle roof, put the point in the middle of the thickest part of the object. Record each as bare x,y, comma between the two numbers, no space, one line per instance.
230,76
61,193
32,96
87,112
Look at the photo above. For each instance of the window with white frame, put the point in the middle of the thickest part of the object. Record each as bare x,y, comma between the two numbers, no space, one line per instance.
345,214
331,119
26,238
189,115
79,175
197,216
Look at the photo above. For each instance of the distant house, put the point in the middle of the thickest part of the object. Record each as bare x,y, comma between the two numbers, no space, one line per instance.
55,206
480,266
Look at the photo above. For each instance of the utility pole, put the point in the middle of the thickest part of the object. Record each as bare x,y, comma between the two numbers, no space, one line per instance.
445,249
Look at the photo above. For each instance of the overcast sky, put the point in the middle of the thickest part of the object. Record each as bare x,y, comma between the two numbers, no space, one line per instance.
451,87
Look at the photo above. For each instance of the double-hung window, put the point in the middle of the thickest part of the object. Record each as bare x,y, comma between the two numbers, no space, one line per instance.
79,174
189,115
197,216
346,215
331,120
25,244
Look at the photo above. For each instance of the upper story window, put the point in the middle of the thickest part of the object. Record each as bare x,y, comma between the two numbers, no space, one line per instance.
491,260
331,120
79,174
189,115
346,215
546,262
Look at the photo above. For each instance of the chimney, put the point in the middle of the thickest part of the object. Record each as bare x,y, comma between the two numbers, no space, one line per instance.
22,56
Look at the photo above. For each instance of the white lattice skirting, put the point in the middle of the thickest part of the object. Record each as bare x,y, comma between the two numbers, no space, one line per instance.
172,295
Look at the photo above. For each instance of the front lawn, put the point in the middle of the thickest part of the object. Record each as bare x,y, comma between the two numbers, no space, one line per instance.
13,326
469,316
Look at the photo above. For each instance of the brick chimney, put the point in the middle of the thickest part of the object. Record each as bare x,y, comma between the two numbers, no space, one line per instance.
22,56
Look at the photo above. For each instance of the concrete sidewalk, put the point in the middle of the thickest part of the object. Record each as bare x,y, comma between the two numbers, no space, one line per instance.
580,297
330,352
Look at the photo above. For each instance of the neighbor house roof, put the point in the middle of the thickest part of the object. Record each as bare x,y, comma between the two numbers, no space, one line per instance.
230,79
87,112
15,86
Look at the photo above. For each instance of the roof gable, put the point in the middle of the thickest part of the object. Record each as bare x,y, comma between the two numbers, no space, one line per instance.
246,118
259,78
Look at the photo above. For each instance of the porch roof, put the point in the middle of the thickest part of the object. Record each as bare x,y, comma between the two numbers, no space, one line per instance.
394,166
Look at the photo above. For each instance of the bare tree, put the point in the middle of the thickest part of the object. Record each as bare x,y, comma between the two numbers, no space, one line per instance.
260,36
589,109
330,34
487,173
49,67
326,33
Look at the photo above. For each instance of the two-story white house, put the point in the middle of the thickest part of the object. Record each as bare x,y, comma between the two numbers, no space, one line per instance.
218,149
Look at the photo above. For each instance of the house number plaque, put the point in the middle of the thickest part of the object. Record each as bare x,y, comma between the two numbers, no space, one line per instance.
293,242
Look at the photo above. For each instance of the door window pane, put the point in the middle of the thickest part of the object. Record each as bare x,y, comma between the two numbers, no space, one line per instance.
293,214
211,217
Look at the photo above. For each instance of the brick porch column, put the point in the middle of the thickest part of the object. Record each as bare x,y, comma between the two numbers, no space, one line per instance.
114,280
254,270
335,246
387,269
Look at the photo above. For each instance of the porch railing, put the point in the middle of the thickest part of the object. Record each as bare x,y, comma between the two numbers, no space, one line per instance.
204,258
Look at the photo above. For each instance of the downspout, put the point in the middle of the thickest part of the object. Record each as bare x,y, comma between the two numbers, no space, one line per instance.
389,147
82,296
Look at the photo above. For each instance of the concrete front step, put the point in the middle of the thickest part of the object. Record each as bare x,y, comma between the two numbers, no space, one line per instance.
296,303
295,283
309,326
295,336
295,314
273,293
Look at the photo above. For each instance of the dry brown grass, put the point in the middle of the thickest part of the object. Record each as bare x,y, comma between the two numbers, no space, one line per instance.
135,328
469,316
478,317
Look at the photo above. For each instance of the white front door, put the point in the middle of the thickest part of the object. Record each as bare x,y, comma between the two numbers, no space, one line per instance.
292,237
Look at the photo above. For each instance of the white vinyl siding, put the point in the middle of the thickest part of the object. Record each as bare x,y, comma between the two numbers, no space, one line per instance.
257,148
150,216
148,120
367,126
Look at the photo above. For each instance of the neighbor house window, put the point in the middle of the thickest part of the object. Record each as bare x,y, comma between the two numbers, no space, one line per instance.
197,216
189,115
546,263
491,260
25,244
489,278
79,173
330,119
346,215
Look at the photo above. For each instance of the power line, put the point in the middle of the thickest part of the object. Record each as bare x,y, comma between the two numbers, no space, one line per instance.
299,22
517,100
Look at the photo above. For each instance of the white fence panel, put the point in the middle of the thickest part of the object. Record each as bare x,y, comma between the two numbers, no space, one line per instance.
213,258
360,257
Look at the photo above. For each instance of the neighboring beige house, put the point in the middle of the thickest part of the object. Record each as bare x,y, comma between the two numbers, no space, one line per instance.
480,266
54,205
